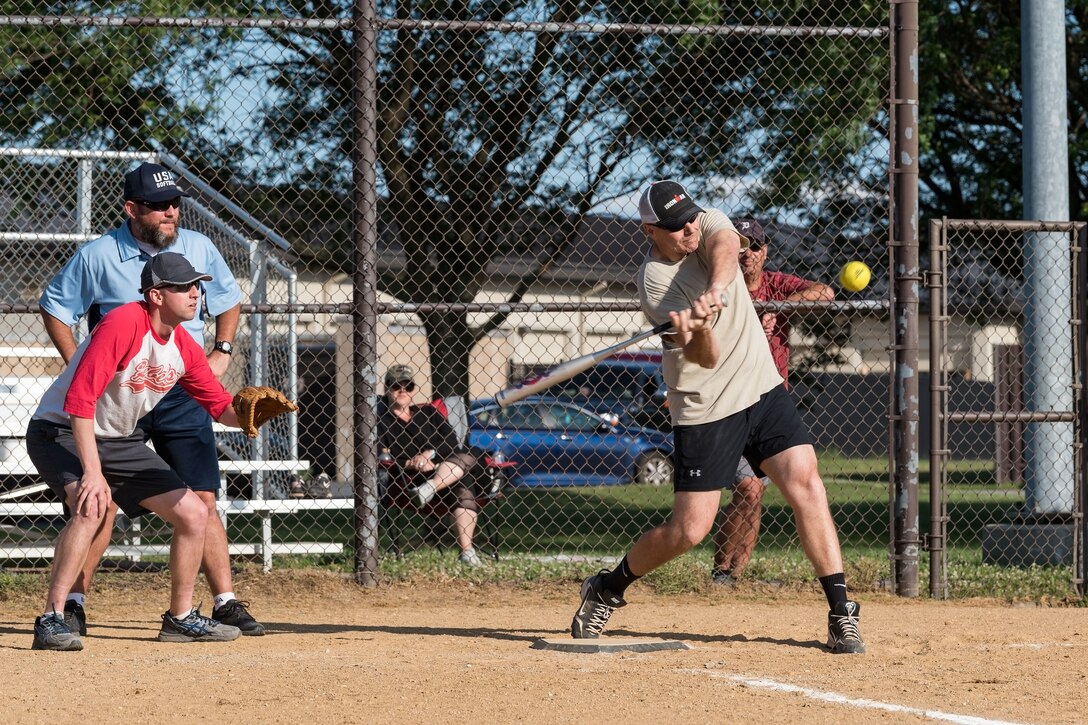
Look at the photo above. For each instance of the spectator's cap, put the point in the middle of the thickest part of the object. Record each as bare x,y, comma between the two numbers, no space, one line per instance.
753,230
399,374
668,205
151,182
167,268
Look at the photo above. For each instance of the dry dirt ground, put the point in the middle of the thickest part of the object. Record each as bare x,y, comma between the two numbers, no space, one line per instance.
445,652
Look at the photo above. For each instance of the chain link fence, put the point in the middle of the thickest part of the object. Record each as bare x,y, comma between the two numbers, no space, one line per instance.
510,145
1007,398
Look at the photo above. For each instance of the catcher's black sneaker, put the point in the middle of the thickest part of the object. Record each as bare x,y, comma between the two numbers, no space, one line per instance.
597,606
195,628
50,632
75,617
843,636
236,614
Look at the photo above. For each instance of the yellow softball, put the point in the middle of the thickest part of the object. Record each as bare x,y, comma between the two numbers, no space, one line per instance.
854,276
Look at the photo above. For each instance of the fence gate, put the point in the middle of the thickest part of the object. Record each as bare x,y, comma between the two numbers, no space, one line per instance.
1007,339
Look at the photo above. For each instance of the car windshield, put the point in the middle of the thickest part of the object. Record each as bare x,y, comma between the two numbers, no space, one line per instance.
618,382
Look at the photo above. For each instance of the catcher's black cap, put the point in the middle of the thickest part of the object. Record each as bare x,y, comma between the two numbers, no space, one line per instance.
753,231
668,205
167,268
151,182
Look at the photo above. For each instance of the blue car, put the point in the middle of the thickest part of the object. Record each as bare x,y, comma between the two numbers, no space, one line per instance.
555,443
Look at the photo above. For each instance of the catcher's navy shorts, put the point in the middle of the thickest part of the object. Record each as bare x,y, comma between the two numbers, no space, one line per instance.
133,471
706,456
181,432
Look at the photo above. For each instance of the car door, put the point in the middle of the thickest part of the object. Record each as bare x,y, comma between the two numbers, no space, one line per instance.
518,431
585,450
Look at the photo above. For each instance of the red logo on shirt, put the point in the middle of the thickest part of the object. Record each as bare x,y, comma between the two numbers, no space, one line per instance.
158,378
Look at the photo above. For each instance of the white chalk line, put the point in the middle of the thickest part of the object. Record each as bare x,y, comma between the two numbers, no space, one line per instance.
834,697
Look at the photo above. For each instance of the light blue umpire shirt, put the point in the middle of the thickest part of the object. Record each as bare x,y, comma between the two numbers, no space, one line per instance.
104,273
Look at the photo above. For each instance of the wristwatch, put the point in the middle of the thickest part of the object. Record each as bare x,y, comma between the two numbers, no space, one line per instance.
223,346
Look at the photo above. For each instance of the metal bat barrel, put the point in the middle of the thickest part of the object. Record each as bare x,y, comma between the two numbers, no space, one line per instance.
569,369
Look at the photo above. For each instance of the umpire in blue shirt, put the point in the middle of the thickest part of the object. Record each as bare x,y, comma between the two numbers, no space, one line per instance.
104,274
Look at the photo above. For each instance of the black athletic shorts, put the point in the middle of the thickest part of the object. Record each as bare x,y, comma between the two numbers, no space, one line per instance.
133,471
706,455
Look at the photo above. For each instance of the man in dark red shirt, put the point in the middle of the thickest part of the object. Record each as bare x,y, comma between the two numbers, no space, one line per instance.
738,523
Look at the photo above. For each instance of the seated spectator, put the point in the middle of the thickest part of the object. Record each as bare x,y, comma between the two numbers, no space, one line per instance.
425,448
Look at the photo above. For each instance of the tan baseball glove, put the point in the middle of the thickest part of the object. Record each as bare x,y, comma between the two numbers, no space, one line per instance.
256,405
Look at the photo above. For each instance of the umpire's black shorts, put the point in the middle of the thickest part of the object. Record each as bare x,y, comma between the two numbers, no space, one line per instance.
133,471
706,455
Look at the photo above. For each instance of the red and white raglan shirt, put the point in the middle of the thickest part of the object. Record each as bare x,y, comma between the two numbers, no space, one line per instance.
123,369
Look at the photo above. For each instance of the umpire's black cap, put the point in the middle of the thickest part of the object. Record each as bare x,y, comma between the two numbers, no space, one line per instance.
151,182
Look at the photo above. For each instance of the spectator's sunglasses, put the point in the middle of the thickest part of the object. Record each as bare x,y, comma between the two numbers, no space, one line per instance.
409,387
752,247
162,205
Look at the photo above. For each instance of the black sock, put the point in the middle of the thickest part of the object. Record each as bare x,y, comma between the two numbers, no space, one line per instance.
620,578
834,588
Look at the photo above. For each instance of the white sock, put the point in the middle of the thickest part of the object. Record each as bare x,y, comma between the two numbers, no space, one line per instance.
183,615
77,597
427,491
221,599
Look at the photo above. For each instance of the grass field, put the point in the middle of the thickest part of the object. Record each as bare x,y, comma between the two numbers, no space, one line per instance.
558,533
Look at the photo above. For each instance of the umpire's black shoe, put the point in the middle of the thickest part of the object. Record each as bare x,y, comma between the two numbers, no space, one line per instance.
236,614
75,617
597,606
843,636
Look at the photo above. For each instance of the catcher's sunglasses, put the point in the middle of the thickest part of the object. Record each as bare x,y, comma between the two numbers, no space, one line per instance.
180,288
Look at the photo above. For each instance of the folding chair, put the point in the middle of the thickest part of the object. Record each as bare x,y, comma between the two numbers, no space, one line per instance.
488,479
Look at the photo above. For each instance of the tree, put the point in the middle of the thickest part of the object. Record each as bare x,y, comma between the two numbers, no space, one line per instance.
481,132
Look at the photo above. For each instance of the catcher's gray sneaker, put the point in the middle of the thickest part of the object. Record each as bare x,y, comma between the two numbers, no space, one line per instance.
597,606
196,628
50,632
723,578
843,636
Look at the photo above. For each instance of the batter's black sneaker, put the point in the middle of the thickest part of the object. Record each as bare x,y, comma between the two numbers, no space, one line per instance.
50,632
236,614
196,628
75,617
597,606
843,636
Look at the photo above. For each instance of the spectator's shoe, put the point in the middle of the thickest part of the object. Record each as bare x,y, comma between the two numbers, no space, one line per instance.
320,487
470,558
597,606
195,628
50,632
296,489
75,617
843,636
236,614
723,578
421,495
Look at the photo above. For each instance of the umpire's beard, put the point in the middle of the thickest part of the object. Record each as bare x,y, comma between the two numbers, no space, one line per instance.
153,234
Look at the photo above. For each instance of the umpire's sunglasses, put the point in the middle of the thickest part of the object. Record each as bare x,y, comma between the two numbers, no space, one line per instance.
161,205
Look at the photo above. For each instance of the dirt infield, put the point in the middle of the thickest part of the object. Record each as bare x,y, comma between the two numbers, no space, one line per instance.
453,652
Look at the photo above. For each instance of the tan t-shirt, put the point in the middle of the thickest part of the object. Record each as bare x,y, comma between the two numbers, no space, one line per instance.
745,370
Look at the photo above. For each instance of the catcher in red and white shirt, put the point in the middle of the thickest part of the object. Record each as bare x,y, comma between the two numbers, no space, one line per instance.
84,443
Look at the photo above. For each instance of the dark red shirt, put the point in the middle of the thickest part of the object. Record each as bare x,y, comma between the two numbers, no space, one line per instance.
775,287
